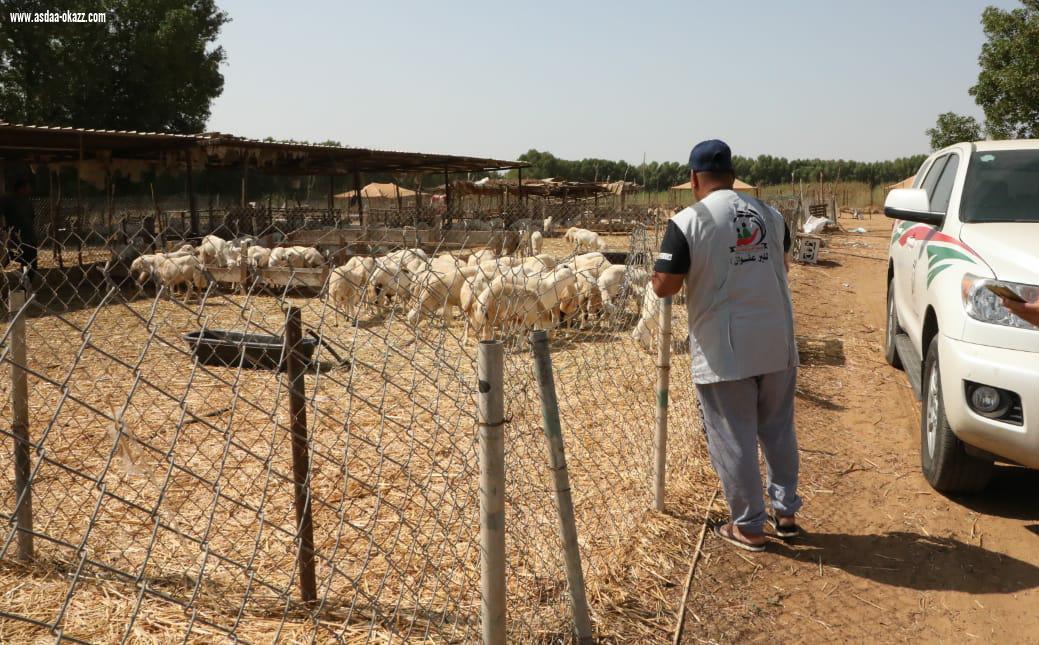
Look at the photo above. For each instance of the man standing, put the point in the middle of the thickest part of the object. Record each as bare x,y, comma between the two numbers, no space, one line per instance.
20,224
729,250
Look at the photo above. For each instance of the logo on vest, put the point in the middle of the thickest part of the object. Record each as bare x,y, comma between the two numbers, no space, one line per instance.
750,237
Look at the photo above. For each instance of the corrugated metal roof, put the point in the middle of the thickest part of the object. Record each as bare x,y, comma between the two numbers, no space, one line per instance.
56,143
6,126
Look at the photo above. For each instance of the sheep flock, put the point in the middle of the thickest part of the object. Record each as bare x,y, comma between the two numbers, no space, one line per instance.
494,294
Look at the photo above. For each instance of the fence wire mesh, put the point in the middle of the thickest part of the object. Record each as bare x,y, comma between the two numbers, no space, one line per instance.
163,486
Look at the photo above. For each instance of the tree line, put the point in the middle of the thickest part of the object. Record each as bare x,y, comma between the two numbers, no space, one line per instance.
763,170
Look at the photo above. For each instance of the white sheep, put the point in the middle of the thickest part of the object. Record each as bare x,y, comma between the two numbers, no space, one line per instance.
505,306
539,264
536,242
556,291
414,260
258,256
213,251
647,329
445,262
389,280
481,256
175,271
439,290
589,298
547,224
613,279
346,285
486,272
295,257
144,267
583,238
593,262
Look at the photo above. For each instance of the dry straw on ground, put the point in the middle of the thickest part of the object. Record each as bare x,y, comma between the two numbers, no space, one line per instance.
163,499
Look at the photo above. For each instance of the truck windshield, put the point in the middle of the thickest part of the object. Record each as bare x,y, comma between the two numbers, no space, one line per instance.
1002,186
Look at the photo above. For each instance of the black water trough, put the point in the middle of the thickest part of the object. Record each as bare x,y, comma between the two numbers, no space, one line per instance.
223,348
621,257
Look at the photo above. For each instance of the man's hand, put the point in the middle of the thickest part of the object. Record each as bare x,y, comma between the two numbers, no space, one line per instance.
667,284
1027,311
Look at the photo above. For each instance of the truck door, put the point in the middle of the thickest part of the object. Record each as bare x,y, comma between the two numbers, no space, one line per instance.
938,199
907,253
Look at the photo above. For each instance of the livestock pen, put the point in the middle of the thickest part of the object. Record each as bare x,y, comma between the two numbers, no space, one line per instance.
163,491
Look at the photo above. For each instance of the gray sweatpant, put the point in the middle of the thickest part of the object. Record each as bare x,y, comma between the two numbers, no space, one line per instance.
739,414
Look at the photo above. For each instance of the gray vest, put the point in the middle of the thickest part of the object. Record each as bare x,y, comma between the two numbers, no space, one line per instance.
741,320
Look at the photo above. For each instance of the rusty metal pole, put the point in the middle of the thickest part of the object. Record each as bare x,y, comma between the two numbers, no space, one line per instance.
561,479
20,429
300,453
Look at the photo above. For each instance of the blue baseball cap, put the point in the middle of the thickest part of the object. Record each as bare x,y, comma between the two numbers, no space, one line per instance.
712,155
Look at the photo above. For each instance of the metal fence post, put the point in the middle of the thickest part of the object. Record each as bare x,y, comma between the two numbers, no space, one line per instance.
300,453
561,477
663,387
20,429
489,372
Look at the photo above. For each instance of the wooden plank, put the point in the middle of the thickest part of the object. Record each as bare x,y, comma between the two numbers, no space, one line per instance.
229,275
427,239
286,277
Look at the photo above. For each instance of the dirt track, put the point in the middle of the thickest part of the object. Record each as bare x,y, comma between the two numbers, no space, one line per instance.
886,559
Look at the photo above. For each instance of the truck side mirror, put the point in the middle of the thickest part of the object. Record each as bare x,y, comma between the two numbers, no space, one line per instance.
911,205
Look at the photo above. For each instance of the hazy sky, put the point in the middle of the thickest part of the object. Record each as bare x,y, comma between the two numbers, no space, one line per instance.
801,78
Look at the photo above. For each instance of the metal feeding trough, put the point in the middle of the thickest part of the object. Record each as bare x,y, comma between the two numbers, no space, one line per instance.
254,351
623,257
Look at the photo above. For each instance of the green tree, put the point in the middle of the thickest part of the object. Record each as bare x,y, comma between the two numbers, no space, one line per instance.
151,66
953,128
1008,85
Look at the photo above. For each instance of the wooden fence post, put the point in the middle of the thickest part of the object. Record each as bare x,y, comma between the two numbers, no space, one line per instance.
20,428
295,367
663,388
561,479
489,370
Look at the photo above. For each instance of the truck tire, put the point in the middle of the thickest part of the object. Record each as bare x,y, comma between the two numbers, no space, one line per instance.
946,465
891,329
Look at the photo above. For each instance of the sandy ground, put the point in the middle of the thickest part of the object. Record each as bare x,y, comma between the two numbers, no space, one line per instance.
885,558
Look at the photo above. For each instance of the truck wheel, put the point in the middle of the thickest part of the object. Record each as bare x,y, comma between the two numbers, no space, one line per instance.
946,465
891,329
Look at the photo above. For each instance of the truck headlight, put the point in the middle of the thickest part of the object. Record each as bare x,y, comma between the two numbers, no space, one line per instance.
981,304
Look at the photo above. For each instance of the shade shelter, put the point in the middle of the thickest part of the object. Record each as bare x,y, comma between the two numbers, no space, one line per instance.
100,152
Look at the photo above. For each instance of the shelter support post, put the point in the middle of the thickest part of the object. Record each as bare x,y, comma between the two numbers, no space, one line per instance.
331,196
519,187
79,205
400,205
448,203
192,205
245,179
360,205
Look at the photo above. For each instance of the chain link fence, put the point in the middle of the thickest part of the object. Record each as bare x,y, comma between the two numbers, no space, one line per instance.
163,487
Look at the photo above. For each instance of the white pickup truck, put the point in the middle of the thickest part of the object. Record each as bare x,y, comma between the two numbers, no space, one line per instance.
970,220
